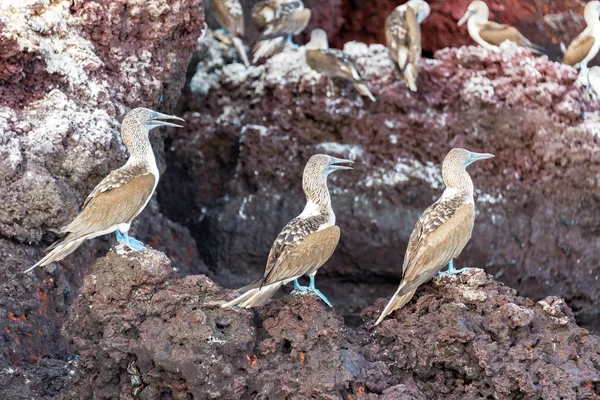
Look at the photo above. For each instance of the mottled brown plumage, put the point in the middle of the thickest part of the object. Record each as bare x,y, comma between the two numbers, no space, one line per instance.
333,63
491,34
230,15
122,195
403,38
586,45
443,230
278,19
305,243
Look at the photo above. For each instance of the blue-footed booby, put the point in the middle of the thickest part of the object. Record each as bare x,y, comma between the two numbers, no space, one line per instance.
491,34
586,45
278,20
403,38
230,15
305,243
122,195
443,230
333,63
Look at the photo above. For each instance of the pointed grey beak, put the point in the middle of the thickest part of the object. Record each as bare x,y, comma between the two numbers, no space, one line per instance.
333,161
155,120
478,156
465,17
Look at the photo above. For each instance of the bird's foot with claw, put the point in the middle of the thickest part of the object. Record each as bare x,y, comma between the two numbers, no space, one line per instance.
223,36
128,241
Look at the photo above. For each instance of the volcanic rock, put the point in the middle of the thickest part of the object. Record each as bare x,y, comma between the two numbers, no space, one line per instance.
466,336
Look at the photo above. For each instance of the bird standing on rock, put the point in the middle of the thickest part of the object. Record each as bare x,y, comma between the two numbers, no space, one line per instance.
491,34
443,230
586,45
305,243
333,63
122,195
403,38
230,15
278,20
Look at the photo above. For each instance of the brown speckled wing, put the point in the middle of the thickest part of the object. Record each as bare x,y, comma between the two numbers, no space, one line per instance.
579,48
116,200
300,249
262,14
402,32
229,15
334,63
288,24
496,34
439,236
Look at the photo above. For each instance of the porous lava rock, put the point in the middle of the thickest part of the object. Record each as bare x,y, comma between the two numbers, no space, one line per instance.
69,71
236,168
467,336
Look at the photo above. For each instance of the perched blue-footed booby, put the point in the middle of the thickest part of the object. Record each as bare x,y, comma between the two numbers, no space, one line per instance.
305,243
122,195
586,45
230,16
333,63
443,230
278,20
491,34
403,38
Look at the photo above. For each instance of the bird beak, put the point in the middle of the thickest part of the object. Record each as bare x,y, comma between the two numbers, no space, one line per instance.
478,156
155,120
465,17
333,161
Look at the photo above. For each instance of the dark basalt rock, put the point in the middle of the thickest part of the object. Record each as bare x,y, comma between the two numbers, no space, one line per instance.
464,337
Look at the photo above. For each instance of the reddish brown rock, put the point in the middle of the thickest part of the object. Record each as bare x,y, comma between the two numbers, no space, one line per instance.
255,128
452,342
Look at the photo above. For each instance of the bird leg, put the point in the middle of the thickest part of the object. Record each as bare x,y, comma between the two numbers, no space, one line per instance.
299,287
291,43
128,241
451,270
312,288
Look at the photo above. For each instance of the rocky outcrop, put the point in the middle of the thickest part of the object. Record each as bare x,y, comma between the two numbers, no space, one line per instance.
465,337
69,70
252,130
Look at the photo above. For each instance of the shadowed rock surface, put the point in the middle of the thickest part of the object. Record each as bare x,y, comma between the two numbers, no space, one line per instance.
466,337
69,71
252,130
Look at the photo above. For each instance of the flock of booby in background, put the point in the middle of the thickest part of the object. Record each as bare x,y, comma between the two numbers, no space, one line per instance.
310,239
279,20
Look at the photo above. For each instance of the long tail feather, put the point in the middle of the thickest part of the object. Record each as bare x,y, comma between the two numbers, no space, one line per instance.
255,297
364,90
266,48
395,303
239,46
59,251
410,77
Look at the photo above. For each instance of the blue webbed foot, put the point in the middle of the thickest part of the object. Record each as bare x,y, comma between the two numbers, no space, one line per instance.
291,43
299,287
316,291
129,241
223,31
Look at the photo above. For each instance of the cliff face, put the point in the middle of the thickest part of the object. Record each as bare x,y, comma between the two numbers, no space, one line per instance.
239,164
68,72
466,337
